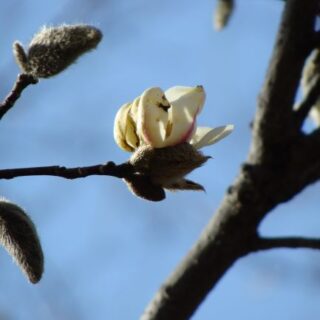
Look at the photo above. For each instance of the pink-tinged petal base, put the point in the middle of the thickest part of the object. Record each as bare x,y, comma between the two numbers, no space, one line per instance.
185,104
188,135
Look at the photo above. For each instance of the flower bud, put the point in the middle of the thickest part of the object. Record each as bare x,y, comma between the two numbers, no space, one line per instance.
223,13
19,237
54,48
159,118
159,127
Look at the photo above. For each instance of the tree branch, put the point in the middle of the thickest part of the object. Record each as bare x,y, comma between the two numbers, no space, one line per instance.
22,81
295,41
269,178
108,169
317,38
263,243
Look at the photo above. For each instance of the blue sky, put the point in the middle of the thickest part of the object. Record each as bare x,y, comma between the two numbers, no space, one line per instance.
106,251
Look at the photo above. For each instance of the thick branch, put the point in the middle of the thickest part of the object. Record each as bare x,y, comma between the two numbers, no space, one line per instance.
317,39
108,169
295,41
277,170
287,242
22,81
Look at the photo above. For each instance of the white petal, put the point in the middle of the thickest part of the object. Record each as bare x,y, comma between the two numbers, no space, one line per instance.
192,97
119,127
132,138
125,130
134,109
152,117
186,103
206,136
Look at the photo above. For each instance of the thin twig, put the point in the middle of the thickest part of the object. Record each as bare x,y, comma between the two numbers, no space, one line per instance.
108,169
22,81
287,242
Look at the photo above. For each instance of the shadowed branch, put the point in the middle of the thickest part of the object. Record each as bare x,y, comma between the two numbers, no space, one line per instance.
108,169
287,242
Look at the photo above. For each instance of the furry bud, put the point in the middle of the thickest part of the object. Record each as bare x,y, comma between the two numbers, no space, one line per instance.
223,13
54,48
19,237
167,167
141,186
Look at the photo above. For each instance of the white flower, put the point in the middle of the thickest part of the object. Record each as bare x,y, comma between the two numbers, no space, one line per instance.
160,129
162,119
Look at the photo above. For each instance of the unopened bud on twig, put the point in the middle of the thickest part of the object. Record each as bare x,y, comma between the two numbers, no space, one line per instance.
19,237
54,48
222,13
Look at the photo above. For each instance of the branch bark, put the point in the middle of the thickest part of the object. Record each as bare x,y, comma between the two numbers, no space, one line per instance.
287,242
278,151
22,81
108,169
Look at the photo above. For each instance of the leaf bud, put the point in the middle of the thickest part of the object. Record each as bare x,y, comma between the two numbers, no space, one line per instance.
19,237
53,49
222,14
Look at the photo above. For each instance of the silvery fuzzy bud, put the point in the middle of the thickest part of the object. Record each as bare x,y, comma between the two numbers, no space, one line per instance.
54,48
222,13
167,167
19,237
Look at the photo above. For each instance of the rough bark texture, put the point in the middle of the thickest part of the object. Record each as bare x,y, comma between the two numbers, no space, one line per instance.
281,162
